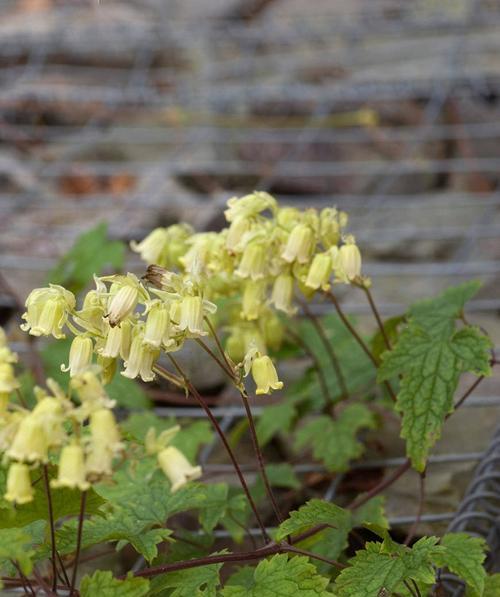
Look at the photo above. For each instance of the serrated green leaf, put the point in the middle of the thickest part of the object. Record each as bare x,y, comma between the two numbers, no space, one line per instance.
391,325
103,584
214,505
18,545
274,419
430,355
385,566
91,254
492,586
192,582
372,512
281,576
314,512
335,442
464,556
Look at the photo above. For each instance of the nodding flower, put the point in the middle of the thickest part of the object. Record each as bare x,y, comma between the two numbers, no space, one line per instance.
47,311
350,260
30,442
282,294
265,376
177,468
300,244
19,489
71,472
80,355
319,272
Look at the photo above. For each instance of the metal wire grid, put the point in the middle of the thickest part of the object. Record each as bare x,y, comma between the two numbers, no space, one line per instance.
216,87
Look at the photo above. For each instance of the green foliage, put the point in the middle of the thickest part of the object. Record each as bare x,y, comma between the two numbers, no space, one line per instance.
103,584
464,556
192,582
91,254
391,328
430,355
492,586
334,441
18,545
282,576
315,512
276,418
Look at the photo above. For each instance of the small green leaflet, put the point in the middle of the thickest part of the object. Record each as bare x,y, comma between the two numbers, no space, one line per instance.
91,254
335,442
464,556
385,566
315,512
430,355
201,581
492,586
282,576
18,545
102,584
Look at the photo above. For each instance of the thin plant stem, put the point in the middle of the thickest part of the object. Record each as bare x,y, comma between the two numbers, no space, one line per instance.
218,342
316,364
467,393
420,509
316,556
328,347
81,516
64,577
260,456
27,586
376,314
381,486
197,396
409,587
221,364
52,526
358,339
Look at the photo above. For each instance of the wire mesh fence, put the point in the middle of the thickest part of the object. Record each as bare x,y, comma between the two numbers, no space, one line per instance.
149,112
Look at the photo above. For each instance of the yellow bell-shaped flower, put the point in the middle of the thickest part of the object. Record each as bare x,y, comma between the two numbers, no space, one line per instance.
265,376
282,294
177,467
253,261
99,460
30,443
72,470
191,315
19,489
235,234
80,355
157,324
8,381
140,360
350,259
300,244
253,299
319,272
104,430
47,311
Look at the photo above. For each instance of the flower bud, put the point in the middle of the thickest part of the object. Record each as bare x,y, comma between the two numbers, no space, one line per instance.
80,355
265,376
319,272
235,345
249,205
191,315
350,259
71,471
253,262
19,489
253,299
300,244
30,442
282,294
177,468
273,332
122,304
8,381
47,311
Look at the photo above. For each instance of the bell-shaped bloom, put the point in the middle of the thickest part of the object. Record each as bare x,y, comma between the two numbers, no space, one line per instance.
157,324
177,467
273,331
300,244
253,299
30,443
253,261
80,355
91,315
350,259
140,360
235,344
47,311
319,272
99,460
49,412
236,233
155,442
104,430
8,381
153,248
249,205
265,375
191,315
91,392
122,303
117,342
19,489
282,294
71,472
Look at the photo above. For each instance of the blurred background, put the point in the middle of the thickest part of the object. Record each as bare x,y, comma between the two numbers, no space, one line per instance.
142,113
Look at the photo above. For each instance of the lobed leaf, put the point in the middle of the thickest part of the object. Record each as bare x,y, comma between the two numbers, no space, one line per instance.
103,584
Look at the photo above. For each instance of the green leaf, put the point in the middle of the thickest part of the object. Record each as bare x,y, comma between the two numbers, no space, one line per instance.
103,584
127,393
17,544
464,556
430,355
201,581
492,586
335,442
214,506
313,513
386,566
91,254
282,577
371,513
391,325
274,419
